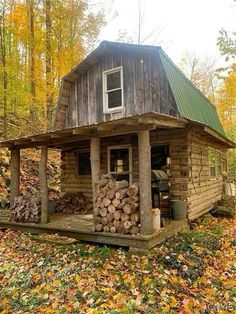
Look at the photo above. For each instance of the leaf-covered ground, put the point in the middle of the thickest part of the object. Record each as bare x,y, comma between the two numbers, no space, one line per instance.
195,272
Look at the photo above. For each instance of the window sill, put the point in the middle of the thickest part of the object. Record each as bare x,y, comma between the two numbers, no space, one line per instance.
116,110
215,178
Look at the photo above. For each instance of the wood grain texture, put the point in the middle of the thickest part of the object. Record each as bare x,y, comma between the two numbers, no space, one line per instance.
145,87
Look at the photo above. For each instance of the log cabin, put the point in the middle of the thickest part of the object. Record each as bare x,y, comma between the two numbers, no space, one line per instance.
126,110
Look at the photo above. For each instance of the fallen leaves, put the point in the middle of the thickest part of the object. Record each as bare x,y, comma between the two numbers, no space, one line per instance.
191,273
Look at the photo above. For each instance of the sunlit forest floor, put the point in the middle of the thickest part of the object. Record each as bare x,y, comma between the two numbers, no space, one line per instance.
194,272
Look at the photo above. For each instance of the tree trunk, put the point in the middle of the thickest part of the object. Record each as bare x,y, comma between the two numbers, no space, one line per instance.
49,84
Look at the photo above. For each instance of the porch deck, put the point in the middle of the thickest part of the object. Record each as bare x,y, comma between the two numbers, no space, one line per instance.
78,227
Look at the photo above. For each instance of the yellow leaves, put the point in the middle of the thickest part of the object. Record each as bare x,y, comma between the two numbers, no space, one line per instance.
165,308
173,302
56,283
147,280
77,278
5,300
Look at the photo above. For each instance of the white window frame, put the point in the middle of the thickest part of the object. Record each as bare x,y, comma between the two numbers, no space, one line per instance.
216,153
105,92
130,172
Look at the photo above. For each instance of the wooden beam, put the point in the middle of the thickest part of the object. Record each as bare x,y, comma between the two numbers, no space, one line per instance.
95,163
15,174
144,149
87,131
162,122
43,184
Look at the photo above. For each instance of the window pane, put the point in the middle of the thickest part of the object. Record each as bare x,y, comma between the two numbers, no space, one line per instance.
211,157
113,80
212,171
218,164
119,160
114,99
83,163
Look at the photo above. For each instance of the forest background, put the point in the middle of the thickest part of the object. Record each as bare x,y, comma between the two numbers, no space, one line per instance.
42,40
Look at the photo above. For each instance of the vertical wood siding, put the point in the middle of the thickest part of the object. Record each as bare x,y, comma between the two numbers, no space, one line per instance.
145,87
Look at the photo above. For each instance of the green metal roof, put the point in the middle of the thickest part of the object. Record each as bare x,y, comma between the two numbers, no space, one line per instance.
191,103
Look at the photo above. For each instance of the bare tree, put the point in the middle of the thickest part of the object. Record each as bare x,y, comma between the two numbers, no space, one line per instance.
201,71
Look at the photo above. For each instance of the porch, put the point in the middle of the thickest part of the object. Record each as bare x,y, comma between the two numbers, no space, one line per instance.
78,227
69,139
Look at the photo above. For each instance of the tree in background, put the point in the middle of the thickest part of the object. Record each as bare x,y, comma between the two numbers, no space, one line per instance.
200,71
40,41
226,94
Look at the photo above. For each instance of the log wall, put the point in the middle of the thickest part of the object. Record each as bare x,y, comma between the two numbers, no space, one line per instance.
203,192
189,170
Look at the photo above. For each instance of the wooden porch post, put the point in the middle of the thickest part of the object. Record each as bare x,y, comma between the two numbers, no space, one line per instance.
145,182
43,184
95,162
15,174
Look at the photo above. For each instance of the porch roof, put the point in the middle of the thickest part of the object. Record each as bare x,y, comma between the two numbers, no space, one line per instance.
126,125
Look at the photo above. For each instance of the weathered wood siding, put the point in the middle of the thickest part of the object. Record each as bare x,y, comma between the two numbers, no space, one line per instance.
145,87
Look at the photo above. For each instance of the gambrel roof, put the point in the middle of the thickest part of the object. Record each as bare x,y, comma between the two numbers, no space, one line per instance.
191,103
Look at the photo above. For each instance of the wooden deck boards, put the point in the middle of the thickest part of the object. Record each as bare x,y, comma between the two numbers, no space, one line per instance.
78,227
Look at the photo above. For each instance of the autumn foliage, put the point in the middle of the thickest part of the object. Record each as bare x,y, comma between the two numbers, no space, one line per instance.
40,41
193,272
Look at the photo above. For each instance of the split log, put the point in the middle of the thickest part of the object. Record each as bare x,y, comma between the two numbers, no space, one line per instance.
102,192
113,229
110,217
101,183
106,229
117,214
99,227
128,224
116,223
133,190
120,194
115,202
124,217
111,208
103,212
110,193
121,185
127,208
106,202
104,221
135,217
97,220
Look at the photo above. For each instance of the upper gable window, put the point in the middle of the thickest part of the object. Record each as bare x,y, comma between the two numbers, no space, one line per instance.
113,90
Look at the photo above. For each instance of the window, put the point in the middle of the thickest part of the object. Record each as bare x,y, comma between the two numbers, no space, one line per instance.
83,163
120,163
214,163
113,90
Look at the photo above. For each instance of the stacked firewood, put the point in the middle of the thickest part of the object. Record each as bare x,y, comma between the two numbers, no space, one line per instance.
26,209
116,207
74,202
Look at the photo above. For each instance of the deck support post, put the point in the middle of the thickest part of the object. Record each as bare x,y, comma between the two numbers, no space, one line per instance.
95,163
43,184
15,174
145,193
